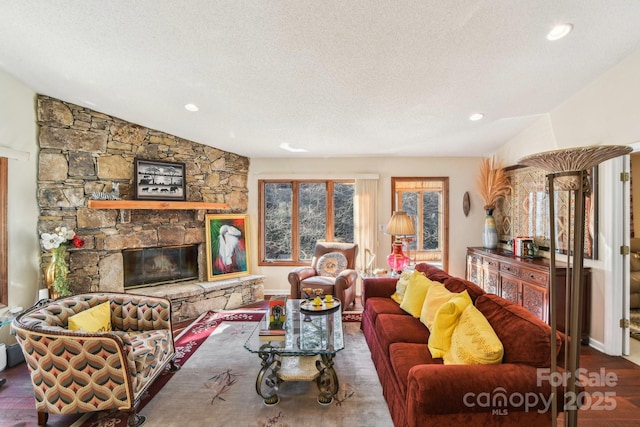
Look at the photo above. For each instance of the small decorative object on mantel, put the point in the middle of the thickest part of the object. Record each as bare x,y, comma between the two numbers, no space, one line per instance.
492,185
113,195
55,276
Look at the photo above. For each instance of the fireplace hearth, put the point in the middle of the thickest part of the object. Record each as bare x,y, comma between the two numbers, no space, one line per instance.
146,267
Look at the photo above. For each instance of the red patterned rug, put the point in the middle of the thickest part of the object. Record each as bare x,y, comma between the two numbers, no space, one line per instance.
187,343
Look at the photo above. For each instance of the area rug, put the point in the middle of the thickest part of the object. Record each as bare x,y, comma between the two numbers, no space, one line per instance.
216,385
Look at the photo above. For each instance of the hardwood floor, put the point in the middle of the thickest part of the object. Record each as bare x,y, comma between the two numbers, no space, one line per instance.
626,389
16,402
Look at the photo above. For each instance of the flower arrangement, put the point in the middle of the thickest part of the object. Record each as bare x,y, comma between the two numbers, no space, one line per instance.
492,182
56,273
62,236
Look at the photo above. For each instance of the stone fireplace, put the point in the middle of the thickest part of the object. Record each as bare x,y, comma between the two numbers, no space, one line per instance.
83,151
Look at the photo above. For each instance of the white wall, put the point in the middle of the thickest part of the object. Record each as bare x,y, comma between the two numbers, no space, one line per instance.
18,136
462,172
605,112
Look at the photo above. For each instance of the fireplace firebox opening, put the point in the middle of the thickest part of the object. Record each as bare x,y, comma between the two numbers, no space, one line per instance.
159,265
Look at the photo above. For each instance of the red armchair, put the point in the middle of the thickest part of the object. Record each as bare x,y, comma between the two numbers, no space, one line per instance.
342,286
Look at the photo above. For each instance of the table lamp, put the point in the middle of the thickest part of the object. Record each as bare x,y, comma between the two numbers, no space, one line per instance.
400,225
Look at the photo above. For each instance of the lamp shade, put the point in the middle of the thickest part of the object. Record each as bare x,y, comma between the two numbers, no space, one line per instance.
574,159
400,225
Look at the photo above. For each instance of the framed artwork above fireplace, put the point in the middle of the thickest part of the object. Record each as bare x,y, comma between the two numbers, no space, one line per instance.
227,246
154,180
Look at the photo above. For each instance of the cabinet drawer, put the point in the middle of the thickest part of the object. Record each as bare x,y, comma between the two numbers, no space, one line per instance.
490,263
510,269
532,276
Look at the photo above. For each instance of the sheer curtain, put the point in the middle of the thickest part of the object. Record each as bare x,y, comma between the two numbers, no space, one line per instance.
365,223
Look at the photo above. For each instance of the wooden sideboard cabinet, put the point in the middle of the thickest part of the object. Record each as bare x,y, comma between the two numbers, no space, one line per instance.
526,282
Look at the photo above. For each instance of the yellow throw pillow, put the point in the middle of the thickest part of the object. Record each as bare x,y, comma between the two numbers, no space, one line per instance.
446,320
436,296
95,319
474,341
401,286
415,293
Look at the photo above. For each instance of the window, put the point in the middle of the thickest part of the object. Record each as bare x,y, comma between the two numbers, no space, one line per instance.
426,201
294,215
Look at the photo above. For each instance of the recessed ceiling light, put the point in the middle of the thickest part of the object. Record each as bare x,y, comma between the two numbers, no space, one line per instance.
475,117
191,107
286,146
559,31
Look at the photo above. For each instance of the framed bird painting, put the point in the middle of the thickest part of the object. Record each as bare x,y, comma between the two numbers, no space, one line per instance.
227,246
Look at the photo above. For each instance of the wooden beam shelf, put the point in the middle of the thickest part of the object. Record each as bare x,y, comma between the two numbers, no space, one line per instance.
154,204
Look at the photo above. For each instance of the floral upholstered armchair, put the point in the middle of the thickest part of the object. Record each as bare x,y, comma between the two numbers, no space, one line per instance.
74,371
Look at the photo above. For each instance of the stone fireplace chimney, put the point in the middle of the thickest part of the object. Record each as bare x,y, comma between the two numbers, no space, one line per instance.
82,151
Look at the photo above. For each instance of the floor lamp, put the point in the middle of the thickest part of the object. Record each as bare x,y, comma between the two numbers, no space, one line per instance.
569,172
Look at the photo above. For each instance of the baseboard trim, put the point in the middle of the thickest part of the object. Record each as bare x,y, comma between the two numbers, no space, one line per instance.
596,345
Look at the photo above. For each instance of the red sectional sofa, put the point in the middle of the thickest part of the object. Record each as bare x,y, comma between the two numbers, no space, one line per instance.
422,391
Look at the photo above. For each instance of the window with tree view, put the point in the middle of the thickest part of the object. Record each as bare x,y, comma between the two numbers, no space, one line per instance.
294,215
425,200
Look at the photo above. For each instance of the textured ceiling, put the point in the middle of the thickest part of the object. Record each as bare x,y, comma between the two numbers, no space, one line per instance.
338,78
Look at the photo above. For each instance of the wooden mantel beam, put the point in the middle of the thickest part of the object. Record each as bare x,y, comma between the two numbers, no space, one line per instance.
154,204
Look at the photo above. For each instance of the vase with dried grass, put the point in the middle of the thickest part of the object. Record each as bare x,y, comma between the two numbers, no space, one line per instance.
492,185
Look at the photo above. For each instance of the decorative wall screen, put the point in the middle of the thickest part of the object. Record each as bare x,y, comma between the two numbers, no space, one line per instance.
525,211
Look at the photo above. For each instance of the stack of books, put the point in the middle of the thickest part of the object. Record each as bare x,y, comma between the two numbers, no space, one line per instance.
272,334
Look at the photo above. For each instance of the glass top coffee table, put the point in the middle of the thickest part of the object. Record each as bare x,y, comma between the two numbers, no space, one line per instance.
303,353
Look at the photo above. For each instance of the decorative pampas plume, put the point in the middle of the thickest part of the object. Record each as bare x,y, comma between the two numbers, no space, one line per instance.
492,182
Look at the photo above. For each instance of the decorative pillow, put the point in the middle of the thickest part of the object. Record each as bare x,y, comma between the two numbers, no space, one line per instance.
95,319
415,294
473,341
331,264
444,323
401,285
436,296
